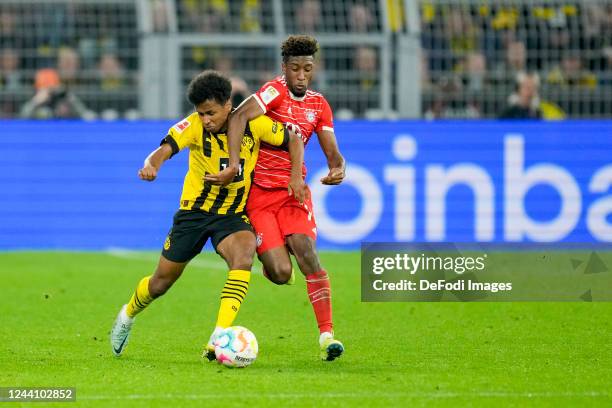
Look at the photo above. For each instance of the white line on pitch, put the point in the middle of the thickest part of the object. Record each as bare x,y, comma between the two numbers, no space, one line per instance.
492,394
151,257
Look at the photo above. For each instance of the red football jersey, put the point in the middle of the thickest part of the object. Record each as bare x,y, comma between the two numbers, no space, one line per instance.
310,112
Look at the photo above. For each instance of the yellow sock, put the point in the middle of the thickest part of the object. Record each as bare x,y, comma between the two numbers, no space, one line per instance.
232,295
140,299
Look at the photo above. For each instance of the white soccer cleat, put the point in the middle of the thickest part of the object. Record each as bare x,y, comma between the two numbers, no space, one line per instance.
120,333
331,348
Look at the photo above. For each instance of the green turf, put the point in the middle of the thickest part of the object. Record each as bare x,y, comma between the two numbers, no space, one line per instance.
56,310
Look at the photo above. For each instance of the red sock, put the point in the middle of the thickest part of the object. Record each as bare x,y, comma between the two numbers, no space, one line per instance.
319,292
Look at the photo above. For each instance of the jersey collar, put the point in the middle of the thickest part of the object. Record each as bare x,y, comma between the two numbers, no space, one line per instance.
296,98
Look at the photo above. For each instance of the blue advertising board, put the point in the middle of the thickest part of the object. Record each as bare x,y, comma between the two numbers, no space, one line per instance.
73,185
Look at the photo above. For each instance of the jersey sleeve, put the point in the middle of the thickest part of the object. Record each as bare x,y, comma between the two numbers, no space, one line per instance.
326,120
270,95
269,131
180,135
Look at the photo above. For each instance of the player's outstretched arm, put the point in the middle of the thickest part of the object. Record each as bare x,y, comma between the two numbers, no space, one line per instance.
154,161
248,110
335,161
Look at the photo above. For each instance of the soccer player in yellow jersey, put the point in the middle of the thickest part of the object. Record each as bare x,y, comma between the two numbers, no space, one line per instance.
207,210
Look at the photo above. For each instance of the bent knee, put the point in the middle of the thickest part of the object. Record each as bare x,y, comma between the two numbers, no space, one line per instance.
279,280
280,274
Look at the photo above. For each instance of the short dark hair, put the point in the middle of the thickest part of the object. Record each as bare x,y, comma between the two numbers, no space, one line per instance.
299,45
209,85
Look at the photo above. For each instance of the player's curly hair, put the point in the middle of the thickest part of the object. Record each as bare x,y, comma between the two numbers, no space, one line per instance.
298,45
209,85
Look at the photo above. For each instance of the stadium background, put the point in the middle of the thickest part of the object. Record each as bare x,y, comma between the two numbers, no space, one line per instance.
416,87
389,69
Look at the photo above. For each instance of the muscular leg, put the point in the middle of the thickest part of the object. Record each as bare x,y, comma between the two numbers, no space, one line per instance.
151,287
304,250
277,264
165,275
237,250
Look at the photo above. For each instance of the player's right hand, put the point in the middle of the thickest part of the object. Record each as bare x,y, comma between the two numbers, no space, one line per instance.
222,178
147,173
295,129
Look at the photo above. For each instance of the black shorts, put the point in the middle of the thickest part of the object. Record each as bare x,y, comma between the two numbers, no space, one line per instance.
192,228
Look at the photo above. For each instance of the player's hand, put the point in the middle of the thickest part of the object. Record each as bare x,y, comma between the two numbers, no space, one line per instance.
147,173
294,129
298,189
222,178
334,177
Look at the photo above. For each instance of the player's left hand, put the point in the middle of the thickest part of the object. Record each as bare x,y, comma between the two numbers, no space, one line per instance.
222,178
298,189
334,177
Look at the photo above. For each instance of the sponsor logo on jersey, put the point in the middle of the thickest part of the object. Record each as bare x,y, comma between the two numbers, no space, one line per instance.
310,116
274,126
246,219
269,94
259,239
167,243
182,125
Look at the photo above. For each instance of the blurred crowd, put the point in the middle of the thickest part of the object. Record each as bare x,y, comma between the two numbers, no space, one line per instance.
347,75
476,56
257,16
57,55
91,51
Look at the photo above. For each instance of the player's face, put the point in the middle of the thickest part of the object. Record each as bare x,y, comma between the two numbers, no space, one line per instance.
213,114
298,73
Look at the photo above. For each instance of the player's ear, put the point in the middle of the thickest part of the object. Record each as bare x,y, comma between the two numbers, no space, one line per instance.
228,105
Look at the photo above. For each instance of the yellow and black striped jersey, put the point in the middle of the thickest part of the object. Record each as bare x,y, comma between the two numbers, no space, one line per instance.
208,154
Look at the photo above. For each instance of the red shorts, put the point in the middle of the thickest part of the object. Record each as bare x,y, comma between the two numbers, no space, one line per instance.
274,214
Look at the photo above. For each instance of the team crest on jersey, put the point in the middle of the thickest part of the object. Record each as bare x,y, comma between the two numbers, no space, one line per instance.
259,239
269,94
182,125
248,142
310,116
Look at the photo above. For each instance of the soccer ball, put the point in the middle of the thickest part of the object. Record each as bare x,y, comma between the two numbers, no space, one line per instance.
236,346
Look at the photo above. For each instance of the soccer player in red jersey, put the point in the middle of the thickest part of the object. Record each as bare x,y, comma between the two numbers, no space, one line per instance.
282,222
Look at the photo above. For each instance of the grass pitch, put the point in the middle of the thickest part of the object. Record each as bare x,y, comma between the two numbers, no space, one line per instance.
56,310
